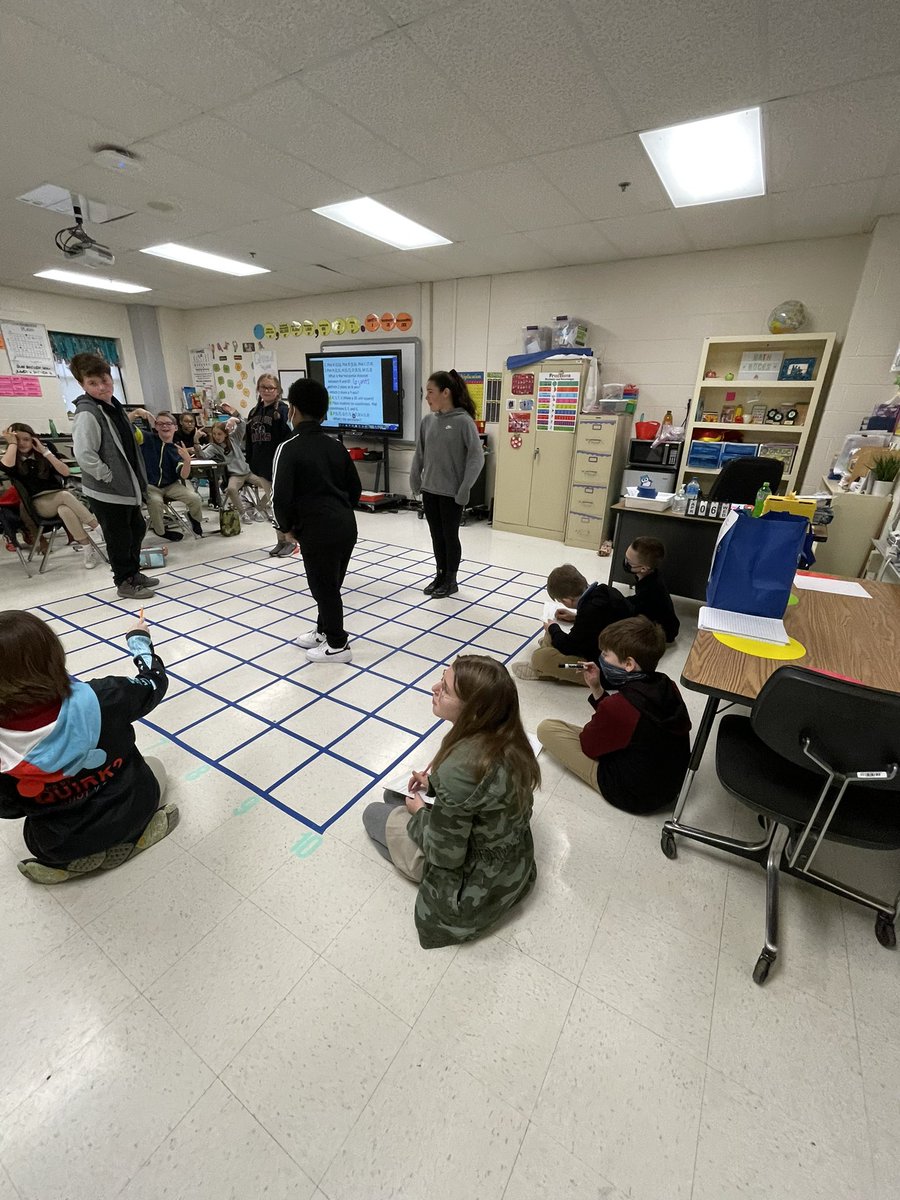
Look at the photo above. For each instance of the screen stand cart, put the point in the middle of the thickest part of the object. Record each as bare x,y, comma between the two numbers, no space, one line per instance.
378,501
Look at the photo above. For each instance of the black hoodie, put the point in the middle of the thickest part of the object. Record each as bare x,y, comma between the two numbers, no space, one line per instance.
640,739
598,607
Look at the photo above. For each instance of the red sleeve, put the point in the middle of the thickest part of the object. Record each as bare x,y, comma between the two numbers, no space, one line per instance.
611,727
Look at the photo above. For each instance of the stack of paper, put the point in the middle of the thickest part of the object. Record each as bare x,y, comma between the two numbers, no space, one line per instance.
760,629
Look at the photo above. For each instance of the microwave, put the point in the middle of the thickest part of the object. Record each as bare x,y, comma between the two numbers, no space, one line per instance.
642,452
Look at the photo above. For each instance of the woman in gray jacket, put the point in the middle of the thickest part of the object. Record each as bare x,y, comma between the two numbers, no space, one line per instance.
448,459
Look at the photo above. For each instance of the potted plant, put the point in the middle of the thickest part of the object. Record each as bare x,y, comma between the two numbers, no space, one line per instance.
885,470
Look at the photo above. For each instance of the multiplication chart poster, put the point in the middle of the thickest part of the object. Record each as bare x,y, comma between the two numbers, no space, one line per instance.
557,400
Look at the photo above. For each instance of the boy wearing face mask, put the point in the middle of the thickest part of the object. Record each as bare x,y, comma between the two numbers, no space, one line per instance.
635,748
651,596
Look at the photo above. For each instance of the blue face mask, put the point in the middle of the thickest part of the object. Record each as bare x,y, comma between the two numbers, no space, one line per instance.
616,677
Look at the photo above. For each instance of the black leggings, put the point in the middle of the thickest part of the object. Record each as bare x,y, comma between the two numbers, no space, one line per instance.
443,515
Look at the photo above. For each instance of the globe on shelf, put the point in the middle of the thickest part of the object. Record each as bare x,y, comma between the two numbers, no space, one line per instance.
787,317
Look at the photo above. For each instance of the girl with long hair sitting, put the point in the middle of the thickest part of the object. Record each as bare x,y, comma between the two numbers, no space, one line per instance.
37,470
463,833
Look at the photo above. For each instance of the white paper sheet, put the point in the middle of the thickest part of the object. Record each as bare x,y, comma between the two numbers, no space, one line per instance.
762,629
837,587
548,613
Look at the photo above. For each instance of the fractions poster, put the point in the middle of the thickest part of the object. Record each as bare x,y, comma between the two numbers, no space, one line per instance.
474,381
557,400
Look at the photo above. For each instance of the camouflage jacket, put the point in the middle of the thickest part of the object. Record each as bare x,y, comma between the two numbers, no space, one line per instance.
479,853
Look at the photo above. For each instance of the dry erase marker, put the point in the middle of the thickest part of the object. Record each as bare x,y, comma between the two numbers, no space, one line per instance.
572,666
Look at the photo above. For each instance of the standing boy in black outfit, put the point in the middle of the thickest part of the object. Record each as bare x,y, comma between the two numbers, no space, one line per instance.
651,597
113,478
315,488
636,746
595,607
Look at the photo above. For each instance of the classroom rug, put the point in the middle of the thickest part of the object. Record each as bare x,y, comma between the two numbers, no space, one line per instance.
310,738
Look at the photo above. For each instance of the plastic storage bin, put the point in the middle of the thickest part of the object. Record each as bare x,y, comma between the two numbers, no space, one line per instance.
536,338
570,331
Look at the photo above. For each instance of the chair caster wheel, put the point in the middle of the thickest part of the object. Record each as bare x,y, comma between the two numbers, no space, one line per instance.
885,931
761,970
667,844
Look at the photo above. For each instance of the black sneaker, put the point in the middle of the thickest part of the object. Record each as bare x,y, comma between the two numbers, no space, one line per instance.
132,589
276,550
435,583
197,527
149,581
448,588
171,535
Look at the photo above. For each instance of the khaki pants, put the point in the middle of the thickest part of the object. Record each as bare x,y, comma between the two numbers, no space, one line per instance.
561,739
236,482
156,498
73,514
546,660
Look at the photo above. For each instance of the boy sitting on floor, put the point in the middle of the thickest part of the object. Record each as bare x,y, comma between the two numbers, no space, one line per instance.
651,597
595,607
635,748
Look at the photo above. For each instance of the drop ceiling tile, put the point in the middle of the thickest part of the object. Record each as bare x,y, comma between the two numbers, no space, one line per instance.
734,223
291,36
583,243
525,67
460,259
675,62
515,251
831,211
523,197
372,270
220,147
646,234
834,135
440,205
223,70
810,45
590,176
132,108
403,11
293,120
399,92
404,264
887,198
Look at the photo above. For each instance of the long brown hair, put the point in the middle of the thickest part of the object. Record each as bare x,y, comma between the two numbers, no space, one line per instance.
227,442
37,465
490,718
34,664
456,386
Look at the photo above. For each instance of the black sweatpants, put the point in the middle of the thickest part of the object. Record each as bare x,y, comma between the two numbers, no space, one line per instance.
443,515
123,531
326,565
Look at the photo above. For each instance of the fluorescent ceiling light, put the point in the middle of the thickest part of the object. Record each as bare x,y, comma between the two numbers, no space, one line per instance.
94,281
200,258
704,162
378,221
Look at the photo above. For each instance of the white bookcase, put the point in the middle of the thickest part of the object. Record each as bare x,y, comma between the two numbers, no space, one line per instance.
723,355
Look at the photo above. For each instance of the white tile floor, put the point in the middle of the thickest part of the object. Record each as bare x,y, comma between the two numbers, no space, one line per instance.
244,1011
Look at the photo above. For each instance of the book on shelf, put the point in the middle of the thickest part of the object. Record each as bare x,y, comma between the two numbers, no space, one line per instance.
785,452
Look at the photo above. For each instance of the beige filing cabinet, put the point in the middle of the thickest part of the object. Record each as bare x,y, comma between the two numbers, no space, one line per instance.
556,482
601,444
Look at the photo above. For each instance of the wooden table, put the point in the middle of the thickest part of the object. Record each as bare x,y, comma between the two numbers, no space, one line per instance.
843,635
689,543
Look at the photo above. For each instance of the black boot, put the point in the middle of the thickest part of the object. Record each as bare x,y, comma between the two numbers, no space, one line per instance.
447,588
435,583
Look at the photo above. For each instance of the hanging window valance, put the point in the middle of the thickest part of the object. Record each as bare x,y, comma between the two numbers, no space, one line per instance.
67,345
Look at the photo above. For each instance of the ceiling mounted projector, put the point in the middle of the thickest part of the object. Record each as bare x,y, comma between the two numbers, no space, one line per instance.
76,243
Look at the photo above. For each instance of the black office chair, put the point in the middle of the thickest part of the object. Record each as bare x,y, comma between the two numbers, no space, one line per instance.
741,478
817,759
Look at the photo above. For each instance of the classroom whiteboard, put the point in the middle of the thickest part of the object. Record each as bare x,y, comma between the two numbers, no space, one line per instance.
286,378
411,367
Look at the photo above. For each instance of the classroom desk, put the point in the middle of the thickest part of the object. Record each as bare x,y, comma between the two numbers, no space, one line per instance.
689,543
211,471
844,635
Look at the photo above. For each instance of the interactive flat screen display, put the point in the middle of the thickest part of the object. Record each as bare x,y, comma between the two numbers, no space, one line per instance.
364,390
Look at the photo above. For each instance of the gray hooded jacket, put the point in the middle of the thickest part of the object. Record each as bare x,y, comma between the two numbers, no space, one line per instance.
106,473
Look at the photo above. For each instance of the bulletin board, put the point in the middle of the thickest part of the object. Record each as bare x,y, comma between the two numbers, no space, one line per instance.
411,360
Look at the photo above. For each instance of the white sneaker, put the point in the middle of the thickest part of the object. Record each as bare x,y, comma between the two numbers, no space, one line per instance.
89,557
307,640
326,653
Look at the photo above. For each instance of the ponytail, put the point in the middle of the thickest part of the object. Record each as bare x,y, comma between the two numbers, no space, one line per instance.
452,382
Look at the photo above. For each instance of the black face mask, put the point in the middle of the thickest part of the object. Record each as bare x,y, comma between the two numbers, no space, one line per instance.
627,567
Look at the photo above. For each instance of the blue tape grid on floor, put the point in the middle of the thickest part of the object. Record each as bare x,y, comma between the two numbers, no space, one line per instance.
230,623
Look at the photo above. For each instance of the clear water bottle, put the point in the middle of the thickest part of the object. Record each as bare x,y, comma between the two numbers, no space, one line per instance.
679,504
692,491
